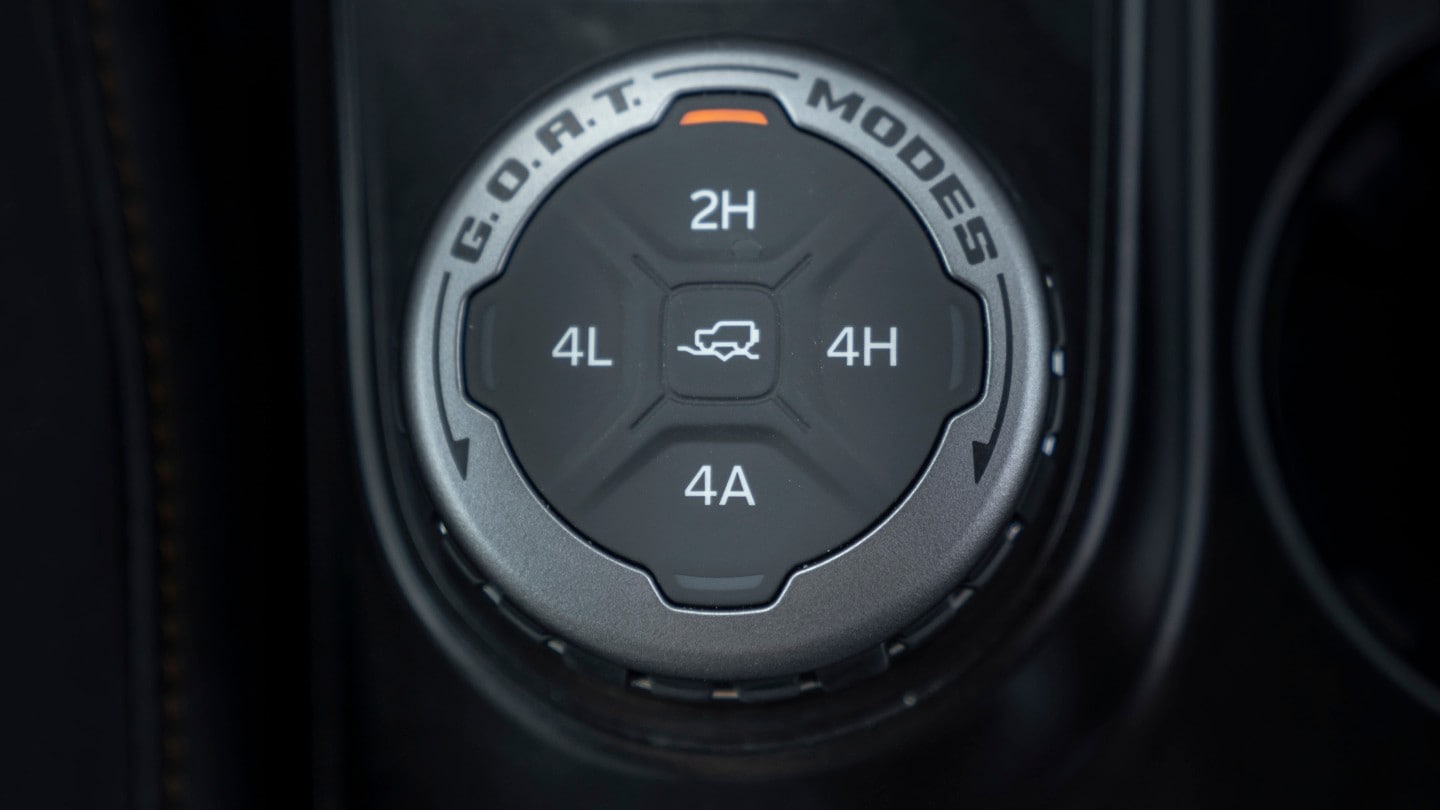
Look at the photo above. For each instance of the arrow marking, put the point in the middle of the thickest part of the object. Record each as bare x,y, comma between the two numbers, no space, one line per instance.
459,449
984,449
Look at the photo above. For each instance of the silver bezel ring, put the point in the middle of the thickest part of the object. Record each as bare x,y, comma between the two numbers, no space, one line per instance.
830,608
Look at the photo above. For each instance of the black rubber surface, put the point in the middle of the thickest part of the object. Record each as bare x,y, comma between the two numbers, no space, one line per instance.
724,348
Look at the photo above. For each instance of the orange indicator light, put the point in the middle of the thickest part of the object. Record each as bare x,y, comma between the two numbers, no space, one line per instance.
724,116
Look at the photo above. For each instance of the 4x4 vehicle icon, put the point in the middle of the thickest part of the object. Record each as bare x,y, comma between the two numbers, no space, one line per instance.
725,340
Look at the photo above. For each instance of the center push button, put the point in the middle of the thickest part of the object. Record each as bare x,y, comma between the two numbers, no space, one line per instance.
720,342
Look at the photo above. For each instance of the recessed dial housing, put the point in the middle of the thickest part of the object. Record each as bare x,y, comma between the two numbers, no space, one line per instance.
727,361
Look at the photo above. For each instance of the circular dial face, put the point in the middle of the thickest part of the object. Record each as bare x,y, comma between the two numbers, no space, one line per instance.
726,362
723,348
